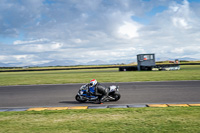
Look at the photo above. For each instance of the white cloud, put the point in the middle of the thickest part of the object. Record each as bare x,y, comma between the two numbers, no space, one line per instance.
182,16
129,30
84,31
180,22
178,51
78,40
2,57
23,60
172,33
18,42
37,45
53,46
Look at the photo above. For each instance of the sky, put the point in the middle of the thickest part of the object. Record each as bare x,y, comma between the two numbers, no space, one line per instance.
83,32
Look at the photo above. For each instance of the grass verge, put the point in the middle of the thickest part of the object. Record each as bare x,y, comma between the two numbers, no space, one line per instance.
171,119
187,72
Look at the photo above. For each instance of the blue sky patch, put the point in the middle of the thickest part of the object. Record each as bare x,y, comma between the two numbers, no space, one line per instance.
10,40
156,10
147,17
141,20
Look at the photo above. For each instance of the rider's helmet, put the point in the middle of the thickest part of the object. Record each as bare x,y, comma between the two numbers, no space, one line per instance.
93,82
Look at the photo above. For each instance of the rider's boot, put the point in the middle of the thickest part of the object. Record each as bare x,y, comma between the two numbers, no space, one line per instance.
103,99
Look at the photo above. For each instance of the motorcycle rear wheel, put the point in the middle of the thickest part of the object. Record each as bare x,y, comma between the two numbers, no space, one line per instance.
78,98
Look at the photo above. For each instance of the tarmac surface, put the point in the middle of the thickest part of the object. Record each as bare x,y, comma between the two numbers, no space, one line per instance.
133,93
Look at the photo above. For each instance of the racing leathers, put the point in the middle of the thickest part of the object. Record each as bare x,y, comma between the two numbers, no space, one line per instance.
101,91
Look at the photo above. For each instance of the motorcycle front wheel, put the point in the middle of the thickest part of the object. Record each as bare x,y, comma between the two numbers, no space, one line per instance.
116,96
78,98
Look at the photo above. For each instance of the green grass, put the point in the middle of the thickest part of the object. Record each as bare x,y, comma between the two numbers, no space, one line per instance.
140,120
187,72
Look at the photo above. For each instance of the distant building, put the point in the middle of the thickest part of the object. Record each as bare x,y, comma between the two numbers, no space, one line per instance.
145,61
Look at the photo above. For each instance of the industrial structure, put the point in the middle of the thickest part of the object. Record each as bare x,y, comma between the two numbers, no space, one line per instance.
146,62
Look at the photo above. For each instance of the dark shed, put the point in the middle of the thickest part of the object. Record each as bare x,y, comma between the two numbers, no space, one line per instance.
145,61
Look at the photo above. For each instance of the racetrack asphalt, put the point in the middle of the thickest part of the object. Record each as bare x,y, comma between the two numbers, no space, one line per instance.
63,95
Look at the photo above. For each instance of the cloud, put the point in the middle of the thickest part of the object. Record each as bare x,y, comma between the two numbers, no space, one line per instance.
16,15
107,30
129,30
23,60
39,45
173,31
19,42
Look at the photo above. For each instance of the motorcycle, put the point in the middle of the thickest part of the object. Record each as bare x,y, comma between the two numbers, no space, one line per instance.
84,96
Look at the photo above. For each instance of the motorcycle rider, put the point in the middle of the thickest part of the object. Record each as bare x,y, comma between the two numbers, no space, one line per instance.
98,90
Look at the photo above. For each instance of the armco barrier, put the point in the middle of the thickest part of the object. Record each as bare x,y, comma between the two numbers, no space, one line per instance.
100,107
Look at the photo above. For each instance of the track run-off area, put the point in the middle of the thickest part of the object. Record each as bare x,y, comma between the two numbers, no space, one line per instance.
132,93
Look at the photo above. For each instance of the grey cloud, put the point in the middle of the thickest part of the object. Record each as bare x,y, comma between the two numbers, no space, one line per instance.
16,16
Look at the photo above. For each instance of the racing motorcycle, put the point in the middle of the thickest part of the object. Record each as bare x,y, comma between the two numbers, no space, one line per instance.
84,96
